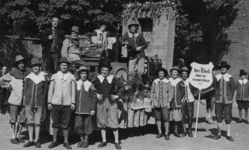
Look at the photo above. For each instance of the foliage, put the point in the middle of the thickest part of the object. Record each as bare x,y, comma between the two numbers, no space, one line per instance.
28,17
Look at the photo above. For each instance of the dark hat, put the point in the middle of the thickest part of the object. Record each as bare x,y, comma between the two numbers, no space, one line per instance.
64,60
242,72
162,69
184,68
224,64
174,68
75,29
104,64
35,61
18,59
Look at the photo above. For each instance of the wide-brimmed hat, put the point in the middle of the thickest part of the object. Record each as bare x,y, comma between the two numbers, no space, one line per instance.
35,61
161,69
224,64
75,29
83,68
64,60
174,68
133,22
18,59
242,72
185,69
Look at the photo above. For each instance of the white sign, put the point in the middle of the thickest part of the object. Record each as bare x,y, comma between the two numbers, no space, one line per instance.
201,75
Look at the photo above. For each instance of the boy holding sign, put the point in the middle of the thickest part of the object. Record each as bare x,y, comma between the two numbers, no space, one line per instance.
188,104
161,96
178,89
224,90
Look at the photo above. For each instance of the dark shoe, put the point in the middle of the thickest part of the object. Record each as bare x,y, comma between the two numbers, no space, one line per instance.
52,145
67,145
14,141
190,134
85,144
166,137
28,144
176,134
37,144
184,134
240,121
246,122
230,138
20,140
80,144
159,135
103,144
217,137
117,145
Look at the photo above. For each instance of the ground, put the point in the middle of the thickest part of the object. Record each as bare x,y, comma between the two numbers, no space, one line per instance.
204,140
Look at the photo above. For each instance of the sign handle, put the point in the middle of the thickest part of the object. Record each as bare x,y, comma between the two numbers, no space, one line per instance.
197,113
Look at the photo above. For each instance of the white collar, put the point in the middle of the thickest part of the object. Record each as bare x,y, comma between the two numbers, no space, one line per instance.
36,78
131,35
225,76
164,80
243,81
186,82
109,78
63,76
174,82
87,85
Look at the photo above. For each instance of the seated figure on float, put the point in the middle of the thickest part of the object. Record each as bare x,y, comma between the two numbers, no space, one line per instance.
71,49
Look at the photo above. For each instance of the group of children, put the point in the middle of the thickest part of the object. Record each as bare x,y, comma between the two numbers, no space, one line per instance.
171,98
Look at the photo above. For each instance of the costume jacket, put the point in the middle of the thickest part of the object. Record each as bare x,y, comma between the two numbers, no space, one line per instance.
161,92
135,40
35,90
99,37
188,94
106,87
62,89
224,88
86,97
16,83
70,49
242,89
178,90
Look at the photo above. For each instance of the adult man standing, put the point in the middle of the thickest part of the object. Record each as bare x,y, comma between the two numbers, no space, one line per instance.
224,90
51,42
61,101
135,44
187,104
16,108
107,108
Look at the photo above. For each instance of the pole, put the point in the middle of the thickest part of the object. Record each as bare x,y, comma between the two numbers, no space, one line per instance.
197,113
117,45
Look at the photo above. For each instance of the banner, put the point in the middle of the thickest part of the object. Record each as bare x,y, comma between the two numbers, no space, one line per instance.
201,76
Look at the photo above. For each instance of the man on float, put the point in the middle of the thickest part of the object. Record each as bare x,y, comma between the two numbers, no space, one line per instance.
51,42
161,96
178,90
71,49
187,104
242,95
107,108
135,44
224,90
